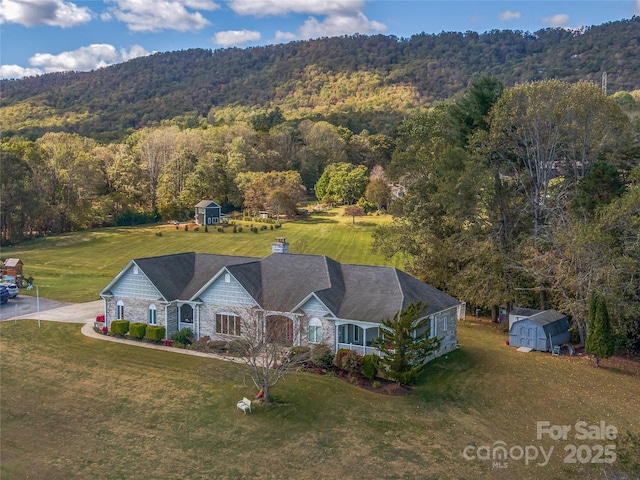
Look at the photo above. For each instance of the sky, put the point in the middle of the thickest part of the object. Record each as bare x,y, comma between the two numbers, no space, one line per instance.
42,36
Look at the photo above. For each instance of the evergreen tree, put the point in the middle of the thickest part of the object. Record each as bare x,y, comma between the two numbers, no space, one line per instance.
599,337
405,343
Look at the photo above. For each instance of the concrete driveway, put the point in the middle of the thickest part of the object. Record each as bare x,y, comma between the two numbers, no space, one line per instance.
50,310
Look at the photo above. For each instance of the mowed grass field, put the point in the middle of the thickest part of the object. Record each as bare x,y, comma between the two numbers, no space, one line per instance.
75,267
76,407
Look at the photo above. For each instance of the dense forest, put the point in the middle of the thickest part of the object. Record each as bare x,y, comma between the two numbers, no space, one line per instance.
359,82
515,189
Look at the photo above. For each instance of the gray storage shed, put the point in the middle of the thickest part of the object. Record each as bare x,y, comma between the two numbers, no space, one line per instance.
540,331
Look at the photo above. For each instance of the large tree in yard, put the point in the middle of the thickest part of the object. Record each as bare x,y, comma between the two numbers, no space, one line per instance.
599,337
406,343
265,345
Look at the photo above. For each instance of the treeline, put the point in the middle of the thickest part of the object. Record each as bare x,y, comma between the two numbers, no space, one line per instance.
359,82
63,182
527,195
523,196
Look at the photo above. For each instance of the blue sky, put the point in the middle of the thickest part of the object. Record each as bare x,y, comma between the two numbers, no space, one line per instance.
41,36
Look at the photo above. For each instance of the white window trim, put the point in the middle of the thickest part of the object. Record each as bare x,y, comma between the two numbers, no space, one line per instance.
119,310
315,326
153,315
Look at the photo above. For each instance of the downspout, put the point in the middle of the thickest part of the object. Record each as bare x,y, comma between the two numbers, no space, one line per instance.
166,321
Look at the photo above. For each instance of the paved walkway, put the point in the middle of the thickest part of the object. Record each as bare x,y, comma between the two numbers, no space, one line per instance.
88,331
86,313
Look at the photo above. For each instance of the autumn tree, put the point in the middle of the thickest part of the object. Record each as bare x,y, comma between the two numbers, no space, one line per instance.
354,211
257,188
379,192
406,343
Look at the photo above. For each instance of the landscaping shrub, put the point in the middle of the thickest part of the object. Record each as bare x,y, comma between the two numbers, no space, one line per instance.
206,229
138,330
300,354
120,327
155,333
239,229
237,348
352,363
321,356
218,346
183,337
337,361
370,365
186,228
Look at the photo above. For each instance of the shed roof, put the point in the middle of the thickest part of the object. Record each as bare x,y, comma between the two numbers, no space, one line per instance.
12,262
207,203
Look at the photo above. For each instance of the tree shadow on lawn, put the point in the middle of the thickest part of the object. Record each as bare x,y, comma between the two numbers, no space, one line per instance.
316,219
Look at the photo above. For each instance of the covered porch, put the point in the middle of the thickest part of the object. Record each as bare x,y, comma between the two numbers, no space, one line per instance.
357,337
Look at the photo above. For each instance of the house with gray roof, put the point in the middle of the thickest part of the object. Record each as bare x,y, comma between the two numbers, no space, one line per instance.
318,299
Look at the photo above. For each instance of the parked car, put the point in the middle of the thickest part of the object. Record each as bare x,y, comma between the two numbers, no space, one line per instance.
13,289
4,294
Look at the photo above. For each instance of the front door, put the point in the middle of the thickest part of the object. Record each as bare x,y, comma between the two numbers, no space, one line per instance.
185,317
280,330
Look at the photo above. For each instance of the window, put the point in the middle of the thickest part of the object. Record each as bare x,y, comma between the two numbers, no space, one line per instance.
152,315
343,334
356,334
444,323
120,310
228,324
315,331
135,270
227,278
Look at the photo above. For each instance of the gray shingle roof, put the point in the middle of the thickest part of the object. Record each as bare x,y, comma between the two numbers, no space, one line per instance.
207,203
282,281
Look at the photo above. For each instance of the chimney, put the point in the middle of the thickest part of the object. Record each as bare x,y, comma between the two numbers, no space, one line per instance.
280,246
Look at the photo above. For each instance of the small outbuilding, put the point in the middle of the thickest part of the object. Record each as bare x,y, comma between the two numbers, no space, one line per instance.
536,329
12,267
207,213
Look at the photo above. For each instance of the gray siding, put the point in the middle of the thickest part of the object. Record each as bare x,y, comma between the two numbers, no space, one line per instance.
135,285
231,293
315,307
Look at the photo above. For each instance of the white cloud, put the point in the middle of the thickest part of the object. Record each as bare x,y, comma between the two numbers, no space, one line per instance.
336,25
559,20
85,58
285,36
236,37
54,13
158,15
282,7
509,15
16,71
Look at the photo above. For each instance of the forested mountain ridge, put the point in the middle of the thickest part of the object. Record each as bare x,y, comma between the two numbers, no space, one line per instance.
358,81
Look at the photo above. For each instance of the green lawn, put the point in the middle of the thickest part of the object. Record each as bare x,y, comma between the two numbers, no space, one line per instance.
77,266
75,407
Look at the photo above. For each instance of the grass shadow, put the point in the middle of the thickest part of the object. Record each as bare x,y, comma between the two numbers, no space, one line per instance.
316,219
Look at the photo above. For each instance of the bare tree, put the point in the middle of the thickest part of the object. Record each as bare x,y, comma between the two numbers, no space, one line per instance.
266,345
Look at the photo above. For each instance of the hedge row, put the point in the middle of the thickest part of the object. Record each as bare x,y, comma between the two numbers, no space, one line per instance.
154,333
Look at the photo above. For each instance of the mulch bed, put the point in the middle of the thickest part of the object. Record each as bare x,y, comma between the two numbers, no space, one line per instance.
380,385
